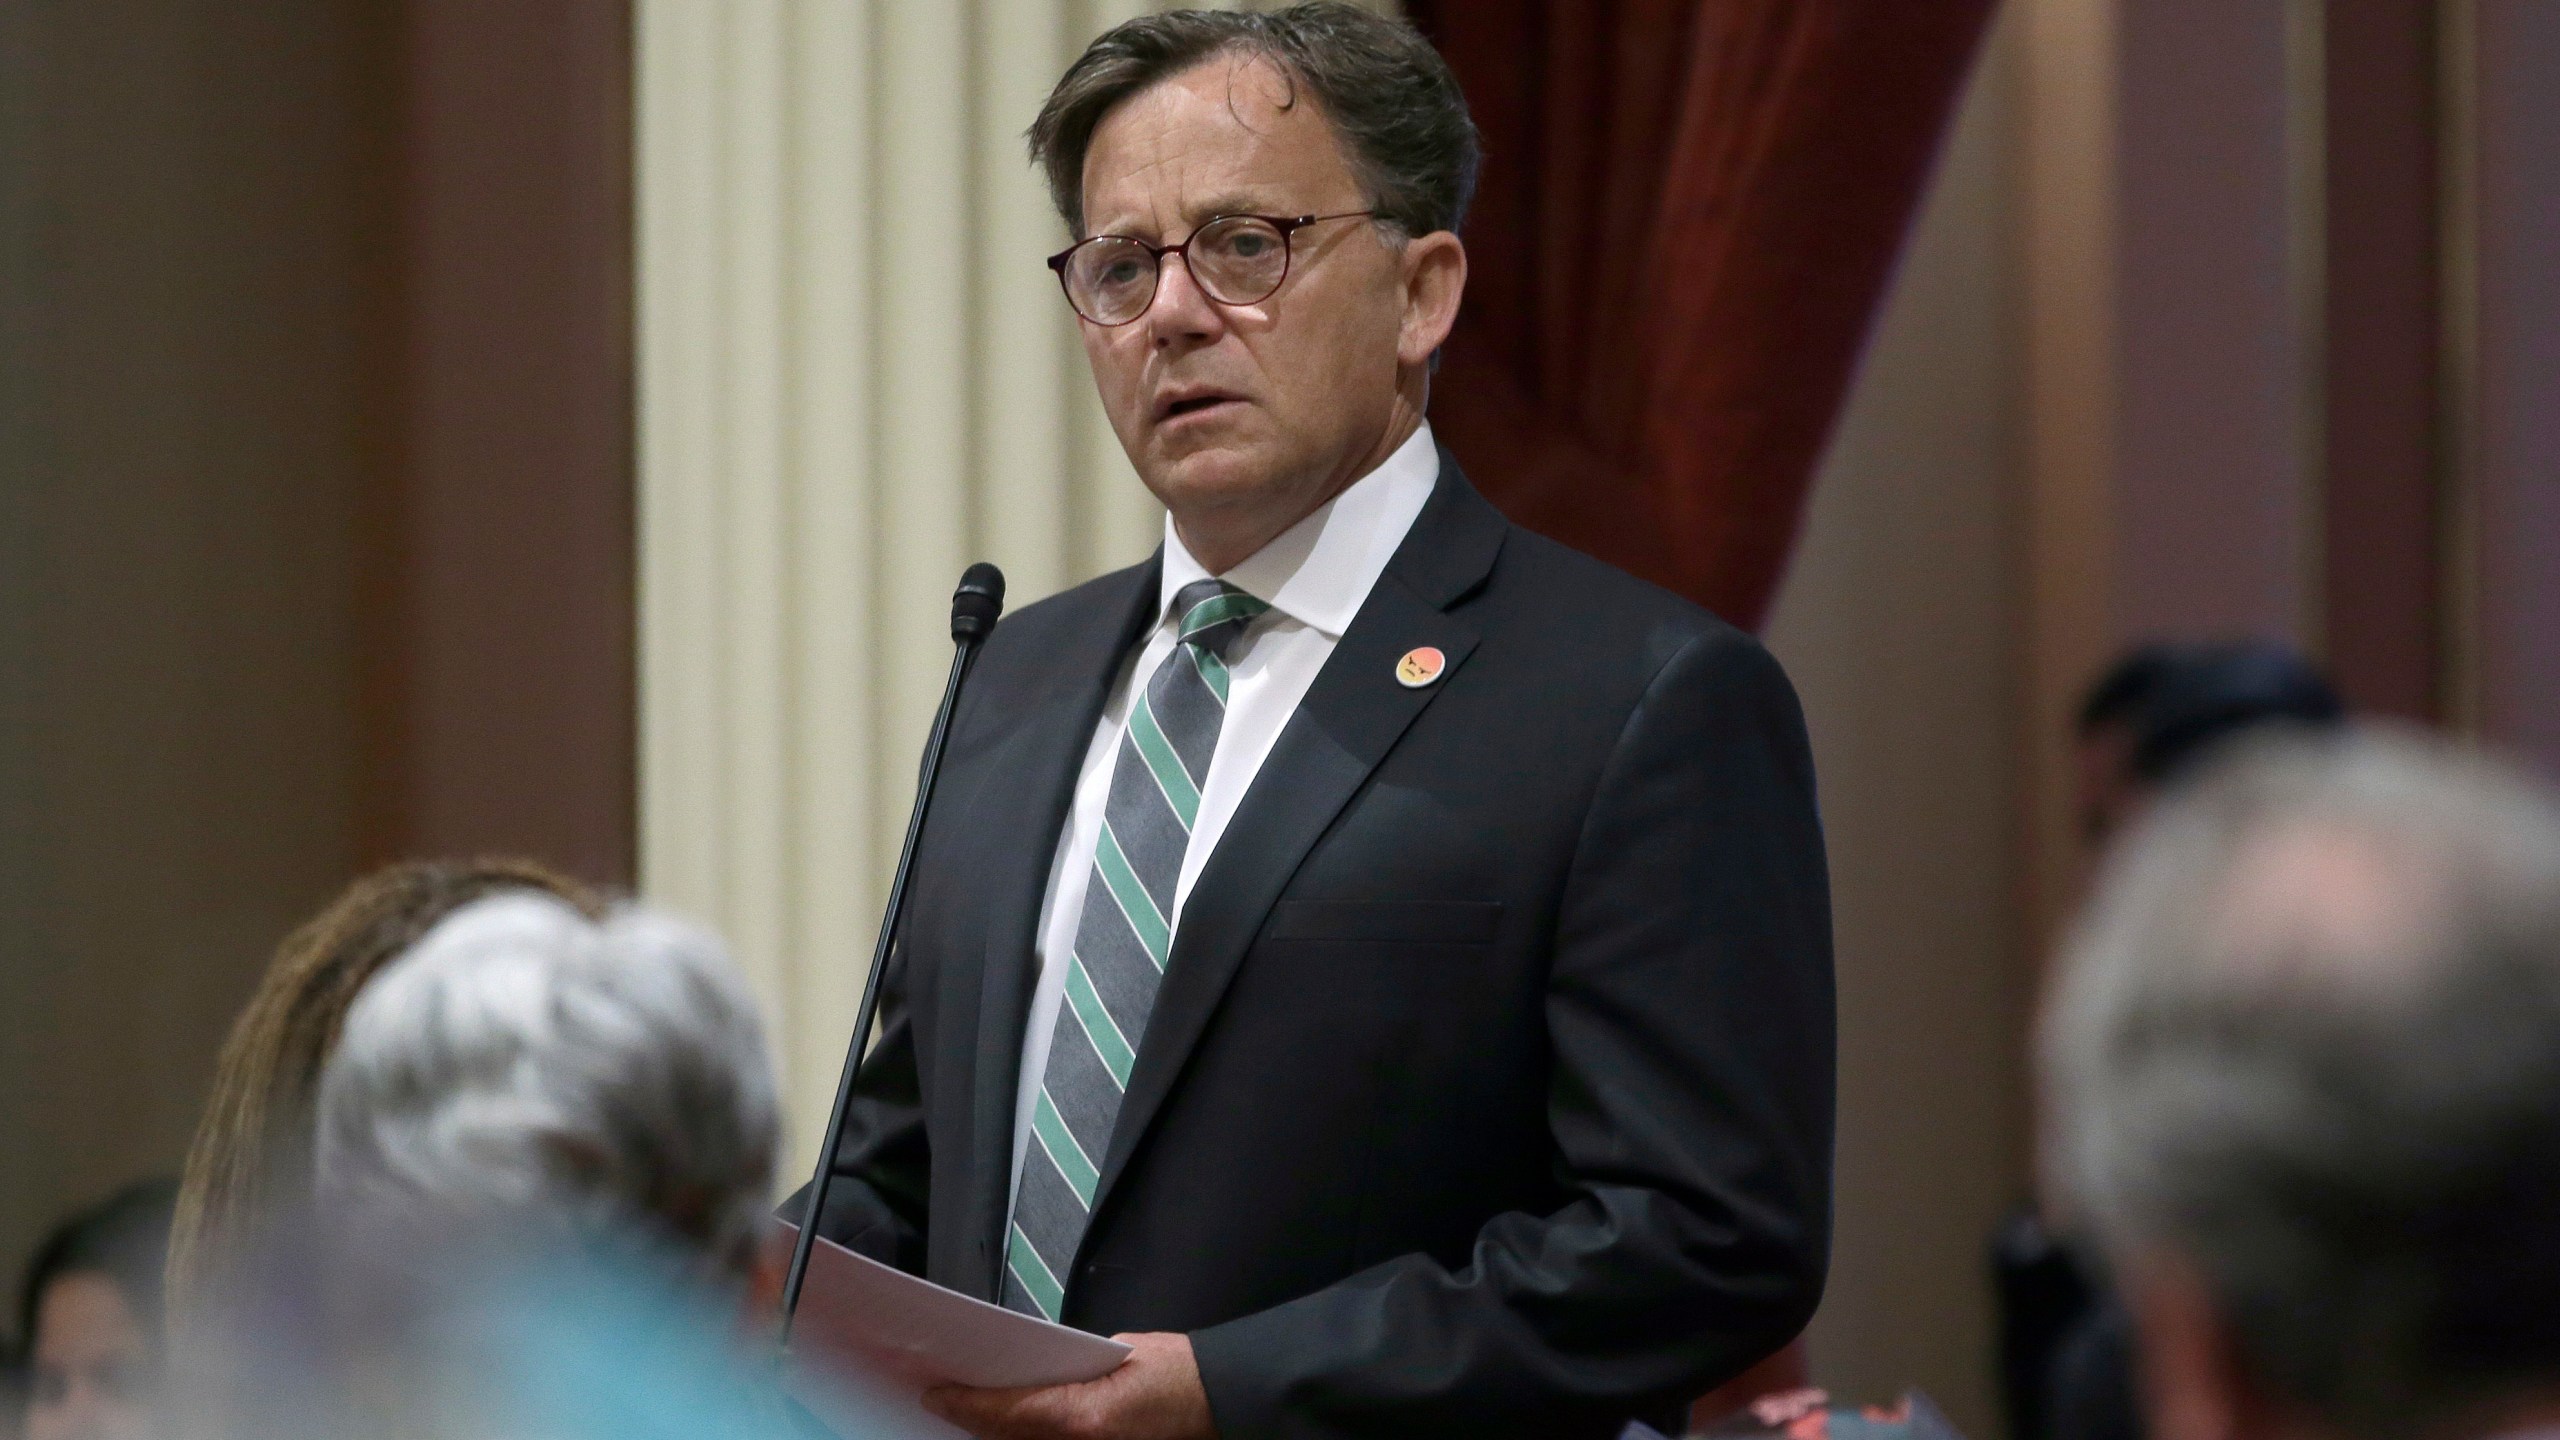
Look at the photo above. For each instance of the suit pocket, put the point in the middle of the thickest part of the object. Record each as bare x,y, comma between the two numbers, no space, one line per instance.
1393,922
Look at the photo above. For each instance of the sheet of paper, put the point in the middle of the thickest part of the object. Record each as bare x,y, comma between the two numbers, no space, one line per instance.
870,1339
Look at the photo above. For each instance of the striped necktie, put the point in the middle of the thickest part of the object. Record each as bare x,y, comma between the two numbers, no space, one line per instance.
1123,939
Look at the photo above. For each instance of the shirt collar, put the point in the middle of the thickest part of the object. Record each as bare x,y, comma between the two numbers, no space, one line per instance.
1319,571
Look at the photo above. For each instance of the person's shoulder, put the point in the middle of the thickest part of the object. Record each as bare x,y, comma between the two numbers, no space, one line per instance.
1575,599
1589,648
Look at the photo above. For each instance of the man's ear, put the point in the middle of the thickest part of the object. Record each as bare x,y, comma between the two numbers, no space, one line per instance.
2195,1383
1435,278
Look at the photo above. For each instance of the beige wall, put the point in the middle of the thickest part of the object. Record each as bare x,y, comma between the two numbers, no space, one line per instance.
181,408
1898,623
314,508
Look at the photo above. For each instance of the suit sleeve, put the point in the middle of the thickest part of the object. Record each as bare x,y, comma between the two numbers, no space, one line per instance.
1689,1018
876,1203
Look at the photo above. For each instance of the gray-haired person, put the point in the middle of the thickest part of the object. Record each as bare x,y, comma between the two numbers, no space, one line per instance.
552,1140
526,1061
2302,1079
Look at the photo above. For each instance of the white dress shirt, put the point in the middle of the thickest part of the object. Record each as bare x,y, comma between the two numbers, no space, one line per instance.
1315,576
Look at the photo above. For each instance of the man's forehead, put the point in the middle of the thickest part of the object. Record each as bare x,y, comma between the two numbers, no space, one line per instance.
1229,129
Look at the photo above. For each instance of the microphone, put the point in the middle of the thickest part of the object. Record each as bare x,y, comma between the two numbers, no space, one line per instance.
974,608
977,603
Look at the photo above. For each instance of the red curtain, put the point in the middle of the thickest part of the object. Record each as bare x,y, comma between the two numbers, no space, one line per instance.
1689,213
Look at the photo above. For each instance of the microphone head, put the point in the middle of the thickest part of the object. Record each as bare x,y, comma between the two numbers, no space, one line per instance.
977,603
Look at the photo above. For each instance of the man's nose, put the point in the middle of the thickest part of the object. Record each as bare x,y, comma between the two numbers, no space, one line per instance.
1181,310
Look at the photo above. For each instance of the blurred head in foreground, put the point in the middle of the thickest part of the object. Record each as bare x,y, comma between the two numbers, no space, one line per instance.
89,1310
250,1163
2163,709
594,1079
544,1148
2302,1078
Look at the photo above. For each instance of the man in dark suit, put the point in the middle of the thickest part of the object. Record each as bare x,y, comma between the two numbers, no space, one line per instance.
1373,958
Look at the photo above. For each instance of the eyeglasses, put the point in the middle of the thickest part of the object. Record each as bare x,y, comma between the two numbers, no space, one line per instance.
1234,259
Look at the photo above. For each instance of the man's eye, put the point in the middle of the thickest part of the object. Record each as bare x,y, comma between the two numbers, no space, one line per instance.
1119,272
1249,246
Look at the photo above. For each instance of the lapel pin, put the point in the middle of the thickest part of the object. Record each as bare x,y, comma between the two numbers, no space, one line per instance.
1420,666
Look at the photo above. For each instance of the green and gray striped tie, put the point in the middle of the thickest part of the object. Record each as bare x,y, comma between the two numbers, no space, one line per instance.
1122,941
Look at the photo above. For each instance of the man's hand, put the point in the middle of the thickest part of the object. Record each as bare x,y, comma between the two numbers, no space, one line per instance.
1154,1395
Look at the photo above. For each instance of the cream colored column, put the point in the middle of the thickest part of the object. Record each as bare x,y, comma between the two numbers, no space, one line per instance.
856,376
2502,214
2068,382
2171,255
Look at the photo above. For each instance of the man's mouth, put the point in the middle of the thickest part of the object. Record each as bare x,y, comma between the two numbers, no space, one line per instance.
1201,402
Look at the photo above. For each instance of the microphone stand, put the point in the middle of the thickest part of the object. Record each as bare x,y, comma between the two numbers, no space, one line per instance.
974,608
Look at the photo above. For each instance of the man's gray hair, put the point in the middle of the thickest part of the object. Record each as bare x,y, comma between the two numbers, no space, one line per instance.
1394,107
2307,1041
524,1062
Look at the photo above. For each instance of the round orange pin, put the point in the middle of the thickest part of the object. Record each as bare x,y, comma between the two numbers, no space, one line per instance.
1420,666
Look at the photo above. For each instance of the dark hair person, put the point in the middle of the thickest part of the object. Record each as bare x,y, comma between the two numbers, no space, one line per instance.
2157,716
89,1308
1628,1105
1402,122
2164,708
2177,702
252,1154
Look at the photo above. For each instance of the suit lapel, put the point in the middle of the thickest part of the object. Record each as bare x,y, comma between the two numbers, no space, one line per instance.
1030,787
1351,717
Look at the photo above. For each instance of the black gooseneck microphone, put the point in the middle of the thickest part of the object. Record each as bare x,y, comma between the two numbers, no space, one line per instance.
974,608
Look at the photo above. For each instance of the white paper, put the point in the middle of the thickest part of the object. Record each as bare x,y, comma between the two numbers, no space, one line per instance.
870,1339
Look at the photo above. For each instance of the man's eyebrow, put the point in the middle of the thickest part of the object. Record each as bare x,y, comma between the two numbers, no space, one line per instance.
1231,203
1199,213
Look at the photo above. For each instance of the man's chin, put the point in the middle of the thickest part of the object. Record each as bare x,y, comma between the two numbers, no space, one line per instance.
1210,475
